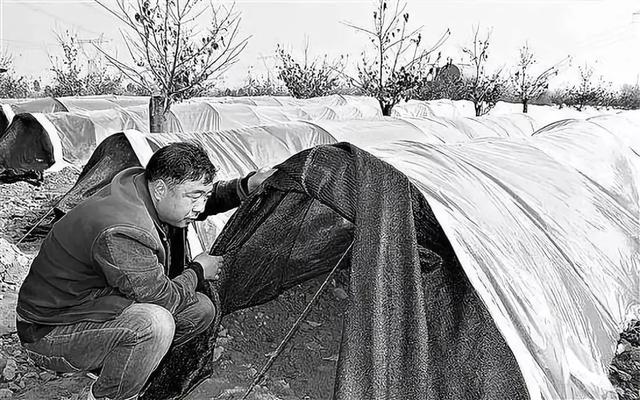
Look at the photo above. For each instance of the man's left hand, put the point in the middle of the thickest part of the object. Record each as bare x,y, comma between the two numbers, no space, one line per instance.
260,176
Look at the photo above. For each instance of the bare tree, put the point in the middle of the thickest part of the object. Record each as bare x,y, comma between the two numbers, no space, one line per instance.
66,79
70,79
628,97
400,64
258,85
11,86
588,92
6,60
176,48
483,89
526,85
311,79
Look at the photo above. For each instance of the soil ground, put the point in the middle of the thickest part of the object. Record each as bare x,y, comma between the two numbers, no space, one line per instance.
305,370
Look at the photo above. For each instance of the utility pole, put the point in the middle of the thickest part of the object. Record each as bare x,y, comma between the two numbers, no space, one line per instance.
92,64
264,62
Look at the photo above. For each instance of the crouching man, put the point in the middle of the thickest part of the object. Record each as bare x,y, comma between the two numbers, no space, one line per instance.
113,286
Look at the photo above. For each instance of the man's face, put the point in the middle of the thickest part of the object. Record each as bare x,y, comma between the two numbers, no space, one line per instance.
180,204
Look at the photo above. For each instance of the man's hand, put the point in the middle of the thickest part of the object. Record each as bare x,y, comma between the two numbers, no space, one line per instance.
210,264
260,176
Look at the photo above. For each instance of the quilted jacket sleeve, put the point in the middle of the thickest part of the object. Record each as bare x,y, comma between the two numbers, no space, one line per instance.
126,255
226,195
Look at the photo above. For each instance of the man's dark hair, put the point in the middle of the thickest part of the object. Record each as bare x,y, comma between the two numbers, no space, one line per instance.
180,162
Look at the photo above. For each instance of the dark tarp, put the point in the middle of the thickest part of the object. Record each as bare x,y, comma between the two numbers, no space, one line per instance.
111,156
25,148
21,151
415,327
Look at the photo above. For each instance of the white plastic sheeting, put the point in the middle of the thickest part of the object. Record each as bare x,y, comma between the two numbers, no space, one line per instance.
8,112
277,101
512,125
99,123
72,104
235,116
370,132
13,101
462,115
544,115
367,106
81,132
434,108
594,148
84,102
546,227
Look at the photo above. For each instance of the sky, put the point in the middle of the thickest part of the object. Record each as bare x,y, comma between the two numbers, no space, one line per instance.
603,34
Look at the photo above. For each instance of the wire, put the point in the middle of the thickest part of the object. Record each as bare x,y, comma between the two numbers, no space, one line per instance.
57,17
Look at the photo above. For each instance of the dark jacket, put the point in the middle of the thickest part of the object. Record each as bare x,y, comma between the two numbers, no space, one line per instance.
110,251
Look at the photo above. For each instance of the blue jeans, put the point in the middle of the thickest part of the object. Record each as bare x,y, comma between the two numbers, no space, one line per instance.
127,349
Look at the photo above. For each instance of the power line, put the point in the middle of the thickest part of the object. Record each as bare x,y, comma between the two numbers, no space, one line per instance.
57,17
33,42
48,1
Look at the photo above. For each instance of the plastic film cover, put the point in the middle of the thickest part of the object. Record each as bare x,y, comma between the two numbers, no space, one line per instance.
599,154
554,258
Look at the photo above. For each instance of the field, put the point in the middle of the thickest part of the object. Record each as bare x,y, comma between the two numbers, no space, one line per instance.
306,369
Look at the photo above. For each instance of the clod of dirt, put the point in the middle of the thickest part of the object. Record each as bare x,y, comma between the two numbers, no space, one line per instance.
8,312
46,376
340,294
217,353
9,370
14,264
258,393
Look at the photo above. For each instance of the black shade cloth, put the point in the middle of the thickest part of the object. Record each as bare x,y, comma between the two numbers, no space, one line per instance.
415,327
113,155
25,146
44,105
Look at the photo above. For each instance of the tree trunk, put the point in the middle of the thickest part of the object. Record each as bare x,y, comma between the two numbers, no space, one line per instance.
478,107
525,105
386,109
156,114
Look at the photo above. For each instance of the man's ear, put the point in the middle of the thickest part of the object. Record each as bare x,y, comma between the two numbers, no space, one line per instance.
159,189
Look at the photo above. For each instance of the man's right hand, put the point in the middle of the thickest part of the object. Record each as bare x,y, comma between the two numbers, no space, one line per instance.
210,264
